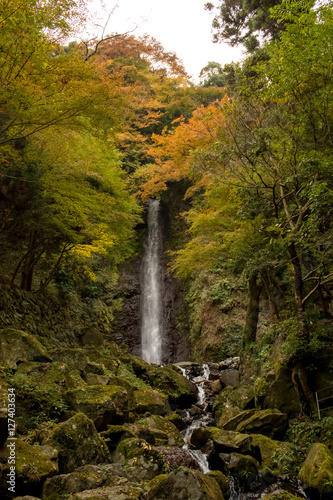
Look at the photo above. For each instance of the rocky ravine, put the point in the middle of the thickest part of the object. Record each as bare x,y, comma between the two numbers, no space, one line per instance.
100,423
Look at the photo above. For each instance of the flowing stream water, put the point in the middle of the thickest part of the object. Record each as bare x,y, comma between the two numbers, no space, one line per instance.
151,299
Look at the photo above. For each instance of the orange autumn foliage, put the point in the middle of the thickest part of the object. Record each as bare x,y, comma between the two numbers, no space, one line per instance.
174,151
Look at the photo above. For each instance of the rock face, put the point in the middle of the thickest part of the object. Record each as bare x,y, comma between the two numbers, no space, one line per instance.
185,484
78,443
317,472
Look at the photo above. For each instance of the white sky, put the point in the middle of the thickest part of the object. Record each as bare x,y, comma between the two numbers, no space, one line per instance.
182,26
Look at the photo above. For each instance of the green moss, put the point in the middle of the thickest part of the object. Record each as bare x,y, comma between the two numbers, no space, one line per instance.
317,470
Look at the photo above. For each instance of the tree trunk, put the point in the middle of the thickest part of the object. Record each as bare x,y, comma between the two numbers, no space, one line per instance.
252,313
298,292
29,263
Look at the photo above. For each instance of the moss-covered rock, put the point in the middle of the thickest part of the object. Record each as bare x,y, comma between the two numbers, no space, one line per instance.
33,464
150,401
185,484
230,441
180,391
116,433
88,477
281,394
103,404
75,359
239,465
78,443
51,376
231,401
281,495
279,457
141,458
124,492
268,422
317,471
17,346
156,430
222,481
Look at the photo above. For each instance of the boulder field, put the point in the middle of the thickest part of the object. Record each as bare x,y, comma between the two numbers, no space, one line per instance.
98,423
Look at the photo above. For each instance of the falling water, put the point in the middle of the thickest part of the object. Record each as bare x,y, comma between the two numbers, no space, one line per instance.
151,304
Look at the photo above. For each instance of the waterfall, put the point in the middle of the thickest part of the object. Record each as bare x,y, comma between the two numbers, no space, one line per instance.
151,299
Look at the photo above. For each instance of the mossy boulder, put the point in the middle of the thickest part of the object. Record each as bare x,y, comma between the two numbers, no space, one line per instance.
52,376
231,401
124,492
88,477
230,441
33,464
17,346
279,457
116,433
280,393
103,404
222,481
281,495
317,472
268,422
140,457
185,484
150,401
180,391
156,430
78,443
75,359
238,465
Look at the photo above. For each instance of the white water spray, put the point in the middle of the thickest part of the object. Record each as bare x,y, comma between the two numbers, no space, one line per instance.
151,303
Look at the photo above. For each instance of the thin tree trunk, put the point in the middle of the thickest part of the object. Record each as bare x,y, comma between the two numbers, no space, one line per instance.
252,314
298,292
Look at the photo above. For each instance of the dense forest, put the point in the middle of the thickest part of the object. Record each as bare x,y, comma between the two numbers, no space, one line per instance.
90,130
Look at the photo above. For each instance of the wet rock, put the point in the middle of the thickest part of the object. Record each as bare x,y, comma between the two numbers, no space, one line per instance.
78,443
216,386
268,422
149,401
200,436
185,484
103,404
229,377
317,472
139,456
17,346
